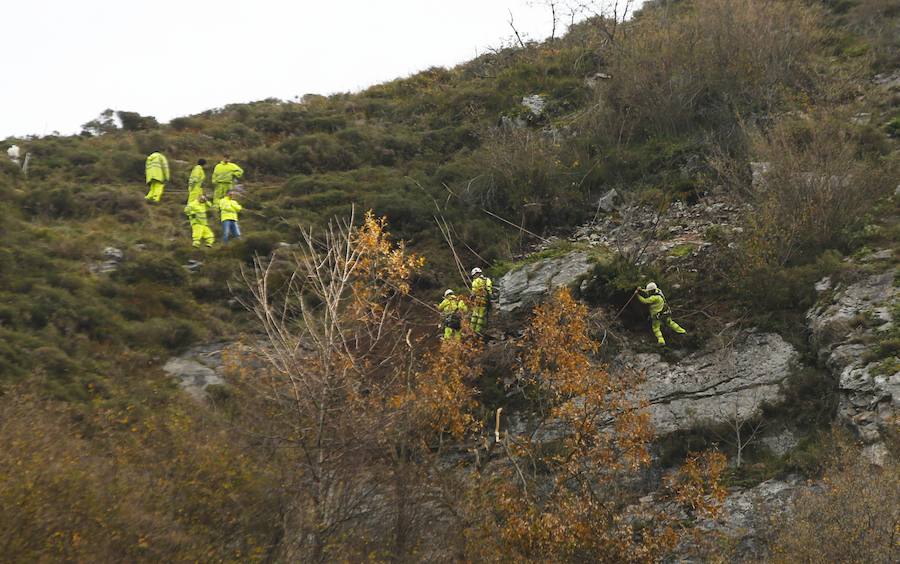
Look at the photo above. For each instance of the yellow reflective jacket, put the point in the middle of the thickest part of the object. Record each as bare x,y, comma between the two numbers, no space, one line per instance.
198,175
157,168
196,212
482,290
226,172
656,302
229,209
451,305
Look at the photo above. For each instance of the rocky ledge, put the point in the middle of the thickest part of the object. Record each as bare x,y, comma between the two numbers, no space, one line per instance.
842,330
197,369
718,385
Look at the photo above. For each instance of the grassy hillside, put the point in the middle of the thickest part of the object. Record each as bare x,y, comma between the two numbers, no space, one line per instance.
663,107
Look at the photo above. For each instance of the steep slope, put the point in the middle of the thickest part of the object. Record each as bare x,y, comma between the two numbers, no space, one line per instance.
108,459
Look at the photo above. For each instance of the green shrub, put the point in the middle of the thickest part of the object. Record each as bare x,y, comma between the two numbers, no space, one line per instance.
133,121
260,243
126,166
685,68
185,123
151,268
171,334
54,362
147,142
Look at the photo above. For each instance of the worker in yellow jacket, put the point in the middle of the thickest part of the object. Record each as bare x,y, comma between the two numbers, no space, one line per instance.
658,308
223,177
452,308
228,212
482,294
196,211
157,174
195,181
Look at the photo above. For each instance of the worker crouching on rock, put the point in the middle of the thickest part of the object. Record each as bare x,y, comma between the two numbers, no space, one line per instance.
658,308
200,231
452,309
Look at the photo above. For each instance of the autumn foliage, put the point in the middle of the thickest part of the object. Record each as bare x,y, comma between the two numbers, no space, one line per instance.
564,491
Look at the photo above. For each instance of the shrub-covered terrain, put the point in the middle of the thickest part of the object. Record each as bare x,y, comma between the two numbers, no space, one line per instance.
106,459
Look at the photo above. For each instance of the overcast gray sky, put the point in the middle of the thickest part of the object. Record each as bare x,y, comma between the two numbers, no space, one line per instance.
67,60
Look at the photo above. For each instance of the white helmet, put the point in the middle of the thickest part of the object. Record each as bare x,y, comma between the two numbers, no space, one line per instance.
651,287
476,271
448,293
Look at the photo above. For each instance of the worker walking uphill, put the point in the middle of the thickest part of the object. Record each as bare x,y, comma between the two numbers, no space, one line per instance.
482,294
223,177
195,181
228,210
452,308
658,308
157,174
196,211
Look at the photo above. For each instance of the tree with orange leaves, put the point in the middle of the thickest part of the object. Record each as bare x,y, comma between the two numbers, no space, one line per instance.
357,415
562,493
378,438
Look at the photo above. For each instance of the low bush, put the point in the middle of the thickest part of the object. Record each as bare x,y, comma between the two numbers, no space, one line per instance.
849,518
691,66
257,244
151,268
171,334
815,190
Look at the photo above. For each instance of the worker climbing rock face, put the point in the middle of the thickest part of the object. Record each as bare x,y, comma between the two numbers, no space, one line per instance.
228,210
157,174
658,308
223,177
196,210
482,294
195,181
452,308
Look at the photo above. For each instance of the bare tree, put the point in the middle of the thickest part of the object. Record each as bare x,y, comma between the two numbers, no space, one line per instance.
335,343
743,431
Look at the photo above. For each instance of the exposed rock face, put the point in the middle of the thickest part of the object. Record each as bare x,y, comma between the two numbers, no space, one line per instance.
193,265
197,369
710,387
609,201
535,104
746,514
644,235
869,399
714,386
744,520
525,286
114,258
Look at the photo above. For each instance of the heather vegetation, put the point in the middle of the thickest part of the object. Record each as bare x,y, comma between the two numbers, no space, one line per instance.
348,435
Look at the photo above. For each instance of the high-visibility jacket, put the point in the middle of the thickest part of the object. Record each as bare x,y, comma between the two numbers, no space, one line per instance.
452,307
482,290
229,209
195,181
157,168
226,173
656,302
196,212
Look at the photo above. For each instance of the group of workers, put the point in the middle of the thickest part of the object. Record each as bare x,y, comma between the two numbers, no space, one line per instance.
453,307
224,175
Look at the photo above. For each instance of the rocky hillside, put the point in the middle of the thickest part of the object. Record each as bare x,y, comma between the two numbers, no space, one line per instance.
160,403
